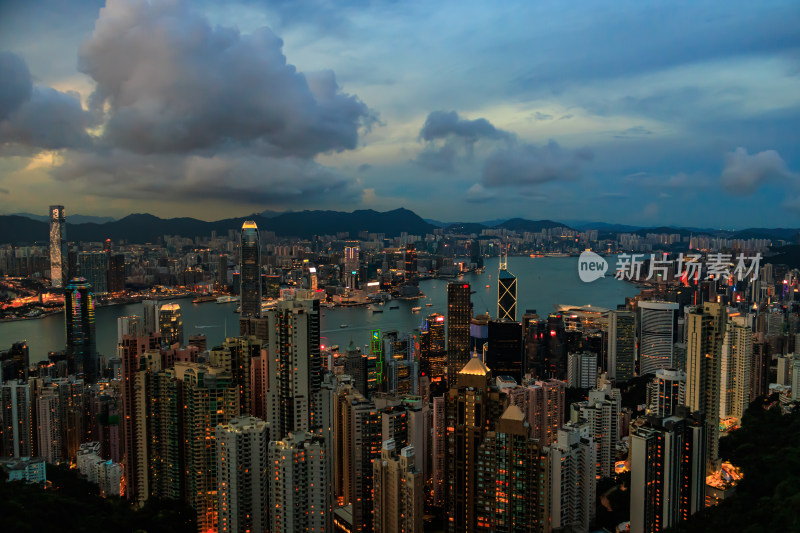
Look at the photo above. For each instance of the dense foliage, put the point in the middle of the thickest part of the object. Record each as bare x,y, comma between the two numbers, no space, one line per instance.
71,505
767,449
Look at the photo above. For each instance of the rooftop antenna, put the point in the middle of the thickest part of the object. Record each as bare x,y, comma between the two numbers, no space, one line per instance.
503,257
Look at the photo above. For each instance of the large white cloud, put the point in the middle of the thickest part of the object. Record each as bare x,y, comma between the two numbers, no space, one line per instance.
743,173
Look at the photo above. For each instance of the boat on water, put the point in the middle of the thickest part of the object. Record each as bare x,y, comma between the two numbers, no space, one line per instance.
204,298
227,299
344,325
487,286
375,309
416,309
394,307
428,305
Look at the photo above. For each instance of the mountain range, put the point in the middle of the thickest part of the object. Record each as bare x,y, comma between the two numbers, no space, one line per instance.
143,228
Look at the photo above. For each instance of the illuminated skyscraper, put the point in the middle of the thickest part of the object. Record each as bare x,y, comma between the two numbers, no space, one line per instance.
58,246
243,475
657,321
506,292
171,324
737,360
80,329
459,313
250,270
295,367
15,407
705,330
432,351
543,405
94,267
351,263
621,345
667,392
410,265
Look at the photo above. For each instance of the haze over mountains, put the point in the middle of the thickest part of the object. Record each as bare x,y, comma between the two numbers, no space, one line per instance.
143,228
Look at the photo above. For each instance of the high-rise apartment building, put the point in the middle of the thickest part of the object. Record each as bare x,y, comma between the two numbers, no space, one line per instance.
582,370
542,402
666,392
170,324
571,494
657,336
295,367
17,431
459,313
243,474
58,246
737,361
705,331
80,329
438,452
621,345
397,488
602,411
250,270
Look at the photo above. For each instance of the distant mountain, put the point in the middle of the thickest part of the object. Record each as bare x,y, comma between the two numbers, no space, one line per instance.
600,226
533,226
74,219
785,234
466,228
271,214
143,228
437,223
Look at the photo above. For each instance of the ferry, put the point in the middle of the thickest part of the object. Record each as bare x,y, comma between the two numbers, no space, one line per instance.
416,309
344,325
204,298
227,299
375,309
428,305
395,306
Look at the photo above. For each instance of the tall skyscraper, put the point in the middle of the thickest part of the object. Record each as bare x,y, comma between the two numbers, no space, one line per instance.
504,349
543,405
295,367
397,489
582,370
116,273
705,330
657,322
93,266
572,479
621,345
300,485
472,408
170,323
58,246
459,313
80,329
17,431
243,475
432,349
150,317
250,270
602,411
737,361
351,263
667,392
667,471
506,294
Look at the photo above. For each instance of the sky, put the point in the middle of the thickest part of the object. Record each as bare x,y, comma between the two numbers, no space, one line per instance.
642,113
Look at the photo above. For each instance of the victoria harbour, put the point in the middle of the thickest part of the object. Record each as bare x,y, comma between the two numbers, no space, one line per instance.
543,283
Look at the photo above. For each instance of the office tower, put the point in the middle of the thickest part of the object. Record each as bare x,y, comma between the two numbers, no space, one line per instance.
250,270
510,476
506,293
272,287
116,273
543,405
351,262
621,345
471,407
402,377
295,367
93,266
170,324
355,366
705,327
602,410
571,496
222,271
432,348
243,475
459,313
49,425
80,328
359,442
58,246
15,362
737,360
666,392
410,270
657,324
210,398
397,491
300,484
149,317
667,471
479,333
582,370
17,432
504,349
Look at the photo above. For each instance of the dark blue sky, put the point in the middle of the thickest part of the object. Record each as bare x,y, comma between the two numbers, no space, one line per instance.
633,112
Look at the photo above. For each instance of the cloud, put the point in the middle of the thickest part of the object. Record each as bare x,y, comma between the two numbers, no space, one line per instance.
542,116
234,177
438,159
173,83
612,195
478,194
443,124
528,164
364,167
743,173
34,117
634,132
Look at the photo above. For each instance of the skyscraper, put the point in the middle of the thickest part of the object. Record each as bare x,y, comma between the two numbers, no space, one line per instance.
572,479
459,313
171,324
93,266
295,367
432,351
250,270
705,330
80,329
506,295
58,246
397,490
582,370
666,392
621,345
351,263
543,405
657,321
667,471
243,475
504,349
602,411
737,361
15,406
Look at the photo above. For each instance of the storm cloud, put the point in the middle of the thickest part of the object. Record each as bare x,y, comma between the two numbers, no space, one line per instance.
528,164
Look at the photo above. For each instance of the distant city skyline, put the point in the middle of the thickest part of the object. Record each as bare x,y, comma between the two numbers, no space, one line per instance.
633,114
